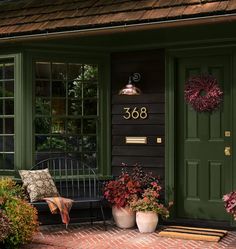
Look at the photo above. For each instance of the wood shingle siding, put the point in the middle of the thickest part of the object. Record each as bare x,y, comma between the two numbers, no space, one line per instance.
37,17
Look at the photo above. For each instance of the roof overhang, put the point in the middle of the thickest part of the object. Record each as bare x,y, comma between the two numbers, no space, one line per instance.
95,31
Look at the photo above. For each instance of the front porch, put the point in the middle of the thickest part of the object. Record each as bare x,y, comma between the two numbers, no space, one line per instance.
81,236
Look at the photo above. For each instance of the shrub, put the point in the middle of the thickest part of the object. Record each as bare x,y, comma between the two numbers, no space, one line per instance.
9,189
24,222
4,226
21,215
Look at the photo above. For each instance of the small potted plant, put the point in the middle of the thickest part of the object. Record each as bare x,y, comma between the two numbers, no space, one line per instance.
119,192
148,208
230,203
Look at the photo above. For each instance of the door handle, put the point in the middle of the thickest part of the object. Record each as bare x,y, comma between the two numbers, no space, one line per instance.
227,151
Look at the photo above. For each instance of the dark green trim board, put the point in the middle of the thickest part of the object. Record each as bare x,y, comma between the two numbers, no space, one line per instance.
234,124
170,130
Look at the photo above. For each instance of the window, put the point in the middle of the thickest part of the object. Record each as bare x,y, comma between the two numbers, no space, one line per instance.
66,111
6,115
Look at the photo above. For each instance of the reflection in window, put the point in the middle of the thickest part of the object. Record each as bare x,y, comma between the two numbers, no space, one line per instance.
6,115
66,111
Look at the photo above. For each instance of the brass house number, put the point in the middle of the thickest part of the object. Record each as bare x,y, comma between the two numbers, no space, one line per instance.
135,113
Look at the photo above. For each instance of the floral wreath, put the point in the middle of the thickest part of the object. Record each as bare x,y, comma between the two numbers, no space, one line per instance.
203,93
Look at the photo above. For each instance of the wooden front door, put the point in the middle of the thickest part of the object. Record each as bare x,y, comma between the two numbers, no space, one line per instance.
203,172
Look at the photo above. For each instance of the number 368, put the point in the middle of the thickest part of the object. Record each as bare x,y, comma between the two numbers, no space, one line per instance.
135,113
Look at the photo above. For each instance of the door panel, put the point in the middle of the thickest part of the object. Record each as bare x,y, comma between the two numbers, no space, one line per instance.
203,171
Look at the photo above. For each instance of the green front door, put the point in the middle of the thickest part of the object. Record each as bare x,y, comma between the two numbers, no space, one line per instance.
203,172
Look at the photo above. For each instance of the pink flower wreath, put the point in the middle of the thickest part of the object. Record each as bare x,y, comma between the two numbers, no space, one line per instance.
203,93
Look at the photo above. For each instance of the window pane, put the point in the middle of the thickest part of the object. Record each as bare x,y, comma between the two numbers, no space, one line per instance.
74,107
42,88
58,89
58,143
42,106
42,70
89,126
8,143
9,126
42,125
58,126
58,106
90,107
90,90
9,71
41,156
90,72
59,71
75,89
9,107
42,143
74,126
89,143
74,71
6,161
74,144
9,89
90,159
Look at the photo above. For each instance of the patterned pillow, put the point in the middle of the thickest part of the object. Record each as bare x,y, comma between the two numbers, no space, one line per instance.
39,184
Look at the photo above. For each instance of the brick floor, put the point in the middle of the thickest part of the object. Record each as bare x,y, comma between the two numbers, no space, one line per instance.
85,236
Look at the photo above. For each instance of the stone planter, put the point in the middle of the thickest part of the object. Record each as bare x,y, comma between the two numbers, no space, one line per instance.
123,217
146,221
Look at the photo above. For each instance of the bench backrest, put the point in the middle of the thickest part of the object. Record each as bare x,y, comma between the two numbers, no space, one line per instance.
73,178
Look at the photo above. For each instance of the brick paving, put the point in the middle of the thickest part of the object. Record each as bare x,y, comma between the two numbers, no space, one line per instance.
85,236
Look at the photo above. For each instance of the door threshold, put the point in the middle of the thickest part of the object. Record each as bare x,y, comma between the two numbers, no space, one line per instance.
199,223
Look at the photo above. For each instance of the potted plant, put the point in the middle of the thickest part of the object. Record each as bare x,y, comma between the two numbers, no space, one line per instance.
123,190
119,192
148,208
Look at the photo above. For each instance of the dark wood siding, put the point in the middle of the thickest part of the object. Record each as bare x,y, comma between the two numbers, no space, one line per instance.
151,66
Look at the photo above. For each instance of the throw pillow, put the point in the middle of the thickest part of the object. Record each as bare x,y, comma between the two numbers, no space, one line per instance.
39,184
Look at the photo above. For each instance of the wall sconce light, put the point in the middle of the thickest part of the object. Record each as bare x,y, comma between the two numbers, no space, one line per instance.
130,89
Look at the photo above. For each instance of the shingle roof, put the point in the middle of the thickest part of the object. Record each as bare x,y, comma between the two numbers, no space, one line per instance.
46,16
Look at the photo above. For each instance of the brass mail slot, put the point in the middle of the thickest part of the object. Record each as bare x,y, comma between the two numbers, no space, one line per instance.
136,140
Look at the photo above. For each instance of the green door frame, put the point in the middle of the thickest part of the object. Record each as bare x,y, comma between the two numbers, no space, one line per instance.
171,56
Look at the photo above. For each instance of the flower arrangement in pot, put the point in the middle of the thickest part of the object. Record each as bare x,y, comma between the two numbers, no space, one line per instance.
128,194
119,192
148,208
230,203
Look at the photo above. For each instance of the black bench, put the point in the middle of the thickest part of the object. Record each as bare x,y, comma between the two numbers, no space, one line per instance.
74,180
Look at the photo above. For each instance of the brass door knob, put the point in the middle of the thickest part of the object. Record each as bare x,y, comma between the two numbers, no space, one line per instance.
227,151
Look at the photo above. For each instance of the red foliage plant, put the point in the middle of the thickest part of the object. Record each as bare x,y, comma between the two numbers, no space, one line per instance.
126,187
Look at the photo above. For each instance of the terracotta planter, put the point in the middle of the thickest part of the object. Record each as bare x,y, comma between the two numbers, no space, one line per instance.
123,217
146,221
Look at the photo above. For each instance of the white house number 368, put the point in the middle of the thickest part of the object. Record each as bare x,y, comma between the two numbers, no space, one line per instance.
135,113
